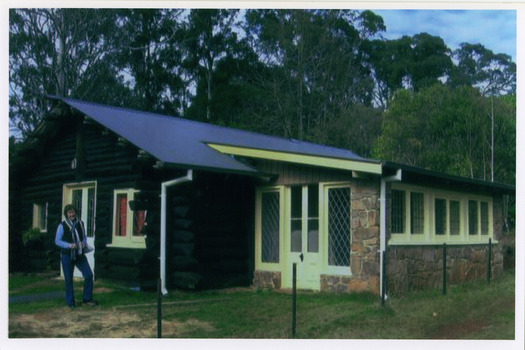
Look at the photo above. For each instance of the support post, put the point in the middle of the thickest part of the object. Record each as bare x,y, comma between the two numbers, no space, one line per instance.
294,296
489,267
444,268
159,308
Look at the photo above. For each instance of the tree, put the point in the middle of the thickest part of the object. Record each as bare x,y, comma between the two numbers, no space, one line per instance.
409,62
446,129
59,51
209,39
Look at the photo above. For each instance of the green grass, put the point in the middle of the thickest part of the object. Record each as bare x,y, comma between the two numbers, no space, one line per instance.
472,310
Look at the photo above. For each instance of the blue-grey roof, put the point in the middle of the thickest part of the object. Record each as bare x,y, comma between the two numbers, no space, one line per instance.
183,142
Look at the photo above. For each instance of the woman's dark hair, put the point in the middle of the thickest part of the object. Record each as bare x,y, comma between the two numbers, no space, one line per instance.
69,207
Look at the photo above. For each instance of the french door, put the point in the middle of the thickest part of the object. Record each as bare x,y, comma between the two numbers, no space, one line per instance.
83,197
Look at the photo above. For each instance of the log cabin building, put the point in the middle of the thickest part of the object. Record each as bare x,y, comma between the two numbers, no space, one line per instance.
204,206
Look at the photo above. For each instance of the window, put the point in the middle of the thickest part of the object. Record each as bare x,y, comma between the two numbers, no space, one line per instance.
440,214
40,216
313,219
270,218
484,218
472,217
421,215
455,218
128,224
417,212
339,226
398,211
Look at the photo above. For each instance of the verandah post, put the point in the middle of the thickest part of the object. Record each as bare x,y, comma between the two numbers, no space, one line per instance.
159,308
444,268
383,282
294,298
489,268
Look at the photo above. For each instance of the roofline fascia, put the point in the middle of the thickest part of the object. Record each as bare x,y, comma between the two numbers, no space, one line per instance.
366,166
444,176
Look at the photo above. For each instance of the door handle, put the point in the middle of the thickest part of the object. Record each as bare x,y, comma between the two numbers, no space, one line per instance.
302,257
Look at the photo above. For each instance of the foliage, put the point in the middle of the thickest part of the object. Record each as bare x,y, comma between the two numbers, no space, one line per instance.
32,235
448,129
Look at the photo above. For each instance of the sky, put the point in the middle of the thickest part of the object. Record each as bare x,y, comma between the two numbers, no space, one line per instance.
494,29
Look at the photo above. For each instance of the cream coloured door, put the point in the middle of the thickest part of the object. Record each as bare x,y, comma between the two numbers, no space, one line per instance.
302,239
83,197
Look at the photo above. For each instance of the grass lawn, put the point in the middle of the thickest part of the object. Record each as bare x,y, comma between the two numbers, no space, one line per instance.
473,310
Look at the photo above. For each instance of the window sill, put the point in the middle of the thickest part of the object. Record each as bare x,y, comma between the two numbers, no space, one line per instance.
131,245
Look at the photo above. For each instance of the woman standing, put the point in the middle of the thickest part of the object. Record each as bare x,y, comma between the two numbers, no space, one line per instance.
72,240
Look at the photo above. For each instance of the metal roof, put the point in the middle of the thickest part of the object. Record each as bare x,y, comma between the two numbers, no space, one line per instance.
183,142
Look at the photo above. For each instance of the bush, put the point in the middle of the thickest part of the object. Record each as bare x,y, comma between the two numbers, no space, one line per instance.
32,235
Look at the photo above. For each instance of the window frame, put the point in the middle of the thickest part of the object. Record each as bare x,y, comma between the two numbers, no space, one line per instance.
38,222
430,236
326,267
128,241
259,264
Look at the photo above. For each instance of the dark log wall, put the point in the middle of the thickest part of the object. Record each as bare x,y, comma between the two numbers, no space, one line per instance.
210,232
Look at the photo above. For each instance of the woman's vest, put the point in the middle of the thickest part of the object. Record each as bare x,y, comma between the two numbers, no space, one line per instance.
68,233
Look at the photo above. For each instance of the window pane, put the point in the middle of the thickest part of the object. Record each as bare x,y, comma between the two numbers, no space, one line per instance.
454,217
484,218
139,220
296,244
297,202
397,215
339,226
313,201
313,235
90,221
417,212
472,217
122,214
77,202
440,207
270,227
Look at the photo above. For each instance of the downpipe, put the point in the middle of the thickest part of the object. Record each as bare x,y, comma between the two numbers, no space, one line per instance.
163,208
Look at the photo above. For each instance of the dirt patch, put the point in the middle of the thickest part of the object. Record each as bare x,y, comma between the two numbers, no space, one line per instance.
459,330
96,323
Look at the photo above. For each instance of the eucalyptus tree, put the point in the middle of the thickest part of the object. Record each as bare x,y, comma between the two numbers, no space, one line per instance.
316,61
59,51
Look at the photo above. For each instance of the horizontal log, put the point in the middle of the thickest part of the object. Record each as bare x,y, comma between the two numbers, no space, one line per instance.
182,236
186,280
183,263
182,249
181,211
120,256
183,224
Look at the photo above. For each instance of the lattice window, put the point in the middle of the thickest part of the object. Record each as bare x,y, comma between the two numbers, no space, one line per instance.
270,227
417,212
339,226
397,215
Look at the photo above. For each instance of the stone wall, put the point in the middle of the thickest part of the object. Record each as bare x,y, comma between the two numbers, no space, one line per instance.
418,267
364,257
267,279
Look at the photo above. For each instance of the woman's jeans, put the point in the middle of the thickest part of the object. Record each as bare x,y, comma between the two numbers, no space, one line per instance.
68,265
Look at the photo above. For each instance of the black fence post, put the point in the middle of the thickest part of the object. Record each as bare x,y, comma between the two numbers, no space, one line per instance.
489,268
444,268
294,296
159,308
383,281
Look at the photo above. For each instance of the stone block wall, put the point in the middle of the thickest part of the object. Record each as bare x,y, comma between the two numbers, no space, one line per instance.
418,267
267,279
364,256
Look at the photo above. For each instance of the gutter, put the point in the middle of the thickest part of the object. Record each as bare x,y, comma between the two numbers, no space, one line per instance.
382,227
163,206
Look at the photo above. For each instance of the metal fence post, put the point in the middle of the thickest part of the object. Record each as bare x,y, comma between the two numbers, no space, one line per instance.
489,268
294,297
159,308
444,268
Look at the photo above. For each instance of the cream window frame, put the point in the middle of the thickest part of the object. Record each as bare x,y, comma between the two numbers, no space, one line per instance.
259,264
429,236
37,222
128,241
